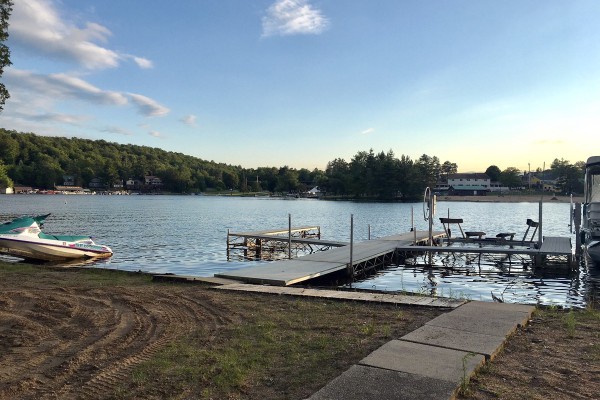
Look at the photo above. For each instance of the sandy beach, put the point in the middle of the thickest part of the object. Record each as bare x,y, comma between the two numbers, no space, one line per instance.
512,198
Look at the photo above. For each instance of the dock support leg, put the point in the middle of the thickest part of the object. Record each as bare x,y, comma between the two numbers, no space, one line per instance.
258,254
350,267
227,244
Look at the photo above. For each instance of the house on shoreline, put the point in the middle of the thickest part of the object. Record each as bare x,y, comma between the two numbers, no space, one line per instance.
469,184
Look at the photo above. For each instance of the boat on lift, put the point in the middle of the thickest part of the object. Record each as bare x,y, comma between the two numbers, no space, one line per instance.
590,232
23,237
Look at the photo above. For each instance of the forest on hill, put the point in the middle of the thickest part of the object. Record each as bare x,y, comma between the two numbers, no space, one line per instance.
42,162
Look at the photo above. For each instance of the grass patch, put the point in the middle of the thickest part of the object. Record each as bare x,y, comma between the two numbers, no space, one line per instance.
282,351
91,276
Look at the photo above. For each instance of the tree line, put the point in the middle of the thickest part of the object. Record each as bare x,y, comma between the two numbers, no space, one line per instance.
42,162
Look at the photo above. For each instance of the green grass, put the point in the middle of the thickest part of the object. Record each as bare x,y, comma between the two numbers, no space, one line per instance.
93,276
250,354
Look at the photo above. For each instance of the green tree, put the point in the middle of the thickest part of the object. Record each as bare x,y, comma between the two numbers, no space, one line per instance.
5,181
5,10
428,170
494,173
510,177
569,178
448,168
338,177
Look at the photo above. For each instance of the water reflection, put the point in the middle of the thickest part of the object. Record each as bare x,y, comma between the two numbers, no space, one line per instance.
187,235
485,281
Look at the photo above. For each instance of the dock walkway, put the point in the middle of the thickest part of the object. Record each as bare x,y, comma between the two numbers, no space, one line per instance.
365,255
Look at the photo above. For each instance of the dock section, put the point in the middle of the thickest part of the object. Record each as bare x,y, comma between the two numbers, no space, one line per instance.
277,243
365,256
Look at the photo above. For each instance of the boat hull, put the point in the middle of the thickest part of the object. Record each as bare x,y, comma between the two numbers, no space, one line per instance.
593,251
49,250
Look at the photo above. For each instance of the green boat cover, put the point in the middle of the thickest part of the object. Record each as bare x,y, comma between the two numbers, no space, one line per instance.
24,222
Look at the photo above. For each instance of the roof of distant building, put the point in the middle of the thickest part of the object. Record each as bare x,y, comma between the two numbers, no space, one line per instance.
468,176
469,188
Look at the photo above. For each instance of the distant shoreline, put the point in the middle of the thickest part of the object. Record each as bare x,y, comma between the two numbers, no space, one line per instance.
512,199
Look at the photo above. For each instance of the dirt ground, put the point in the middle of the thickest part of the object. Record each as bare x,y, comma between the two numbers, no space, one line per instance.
68,334
556,356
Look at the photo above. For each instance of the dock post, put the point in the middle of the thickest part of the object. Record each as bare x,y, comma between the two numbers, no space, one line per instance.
258,253
289,236
227,244
369,231
350,265
577,221
412,224
540,237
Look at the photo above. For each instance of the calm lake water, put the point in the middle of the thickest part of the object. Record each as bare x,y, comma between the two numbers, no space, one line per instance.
187,235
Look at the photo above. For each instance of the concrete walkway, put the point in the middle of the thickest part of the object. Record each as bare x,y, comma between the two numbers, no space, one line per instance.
389,298
433,361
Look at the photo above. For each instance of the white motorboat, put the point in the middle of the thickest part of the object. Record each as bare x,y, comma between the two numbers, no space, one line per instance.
590,233
23,237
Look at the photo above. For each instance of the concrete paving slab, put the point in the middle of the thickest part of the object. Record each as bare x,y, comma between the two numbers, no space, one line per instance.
428,361
481,319
361,382
504,307
343,295
456,339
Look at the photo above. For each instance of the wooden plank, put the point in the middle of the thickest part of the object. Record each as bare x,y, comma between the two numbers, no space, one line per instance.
276,231
348,295
320,242
409,236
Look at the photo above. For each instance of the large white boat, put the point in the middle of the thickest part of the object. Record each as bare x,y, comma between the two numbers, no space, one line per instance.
23,237
591,210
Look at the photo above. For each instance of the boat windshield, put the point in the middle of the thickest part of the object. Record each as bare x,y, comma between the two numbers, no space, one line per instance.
592,184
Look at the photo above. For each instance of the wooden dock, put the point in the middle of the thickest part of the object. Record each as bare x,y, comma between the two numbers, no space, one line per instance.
277,243
365,256
554,250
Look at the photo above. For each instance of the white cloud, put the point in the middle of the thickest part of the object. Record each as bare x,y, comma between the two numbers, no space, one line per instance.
61,118
368,131
147,106
155,134
143,62
60,86
34,96
189,120
292,17
38,26
117,130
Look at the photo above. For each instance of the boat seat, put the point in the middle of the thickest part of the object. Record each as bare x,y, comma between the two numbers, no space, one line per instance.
471,235
505,235
530,224
446,222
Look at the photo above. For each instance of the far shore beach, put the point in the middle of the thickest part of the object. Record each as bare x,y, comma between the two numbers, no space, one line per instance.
509,198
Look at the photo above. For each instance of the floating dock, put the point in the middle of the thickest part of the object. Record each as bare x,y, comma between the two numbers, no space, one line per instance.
273,244
365,256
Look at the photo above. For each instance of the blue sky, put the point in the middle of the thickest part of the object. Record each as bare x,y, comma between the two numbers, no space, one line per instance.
301,82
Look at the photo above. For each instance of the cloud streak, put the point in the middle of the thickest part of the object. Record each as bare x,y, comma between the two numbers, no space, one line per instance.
293,17
37,26
55,87
147,106
189,120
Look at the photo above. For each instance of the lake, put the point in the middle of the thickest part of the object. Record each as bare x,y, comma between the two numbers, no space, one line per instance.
187,235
